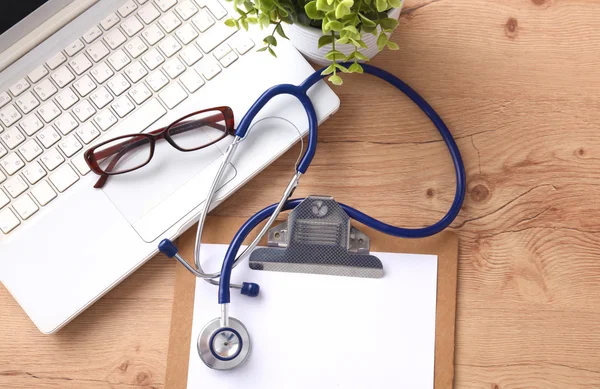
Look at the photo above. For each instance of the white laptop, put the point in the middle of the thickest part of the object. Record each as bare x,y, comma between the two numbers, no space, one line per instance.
76,72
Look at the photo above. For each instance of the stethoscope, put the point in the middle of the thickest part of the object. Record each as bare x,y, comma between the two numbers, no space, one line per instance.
224,343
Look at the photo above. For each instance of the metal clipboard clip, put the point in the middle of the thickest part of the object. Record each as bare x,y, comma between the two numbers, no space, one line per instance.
317,238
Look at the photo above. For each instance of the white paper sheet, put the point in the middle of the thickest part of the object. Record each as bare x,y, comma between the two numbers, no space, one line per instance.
317,331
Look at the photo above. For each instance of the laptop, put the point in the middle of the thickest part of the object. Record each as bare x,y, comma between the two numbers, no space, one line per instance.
77,72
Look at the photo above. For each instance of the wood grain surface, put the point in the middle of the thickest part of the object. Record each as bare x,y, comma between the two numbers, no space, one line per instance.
517,82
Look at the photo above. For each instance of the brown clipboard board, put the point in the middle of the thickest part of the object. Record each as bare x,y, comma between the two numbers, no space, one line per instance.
221,230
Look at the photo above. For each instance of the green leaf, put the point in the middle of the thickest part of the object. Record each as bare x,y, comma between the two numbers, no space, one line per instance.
311,10
272,52
361,56
264,20
347,3
352,29
230,22
356,68
342,68
280,31
381,5
359,43
323,5
350,56
366,21
252,20
248,5
325,40
336,80
270,40
334,25
341,11
343,41
382,39
262,49
244,23
329,1
388,23
335,55
371,30
328,70
392,46
395,3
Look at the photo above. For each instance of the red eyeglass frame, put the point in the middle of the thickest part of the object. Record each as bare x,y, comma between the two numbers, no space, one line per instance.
91,158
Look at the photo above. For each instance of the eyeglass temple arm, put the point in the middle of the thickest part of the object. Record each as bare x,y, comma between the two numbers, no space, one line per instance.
123,148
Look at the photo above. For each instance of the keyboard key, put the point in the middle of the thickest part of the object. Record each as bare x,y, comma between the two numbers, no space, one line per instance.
49,111
118,84
214,37
31,124
66,123
169,46
153,59
191,80
48,136
70,145
63,76
169,22
34,172
127,8
43,193
74,48
81,165
12,137
8,220
84,85
19,87
12,163
115,39
84,110
132,26
148,13
4,99
208,67
64,177
221,51
123,106
97,51
27,102
228,59
164,5
67,97
15,186
4,199
153,34
92,34
190,55
87,132
216,8
110,21
38,73
80,64
57,60
25,207
101,97
157,80
136,71
45,89
105,119
30,150
186,34
101,73
119,59
173,95
9,115
136,47
52,159
186,9
203,20
140,93
3,150
174,67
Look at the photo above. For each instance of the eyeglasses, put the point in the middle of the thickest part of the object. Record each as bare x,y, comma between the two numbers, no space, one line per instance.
126,153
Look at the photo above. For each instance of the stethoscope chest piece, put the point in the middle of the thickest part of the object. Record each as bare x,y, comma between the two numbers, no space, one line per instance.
224,348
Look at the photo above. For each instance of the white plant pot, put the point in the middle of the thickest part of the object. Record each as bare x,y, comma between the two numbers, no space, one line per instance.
306,39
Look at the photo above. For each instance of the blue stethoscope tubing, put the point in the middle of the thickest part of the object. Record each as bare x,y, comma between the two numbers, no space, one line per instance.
300,92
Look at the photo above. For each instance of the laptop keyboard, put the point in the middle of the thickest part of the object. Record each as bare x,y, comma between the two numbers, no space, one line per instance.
138,62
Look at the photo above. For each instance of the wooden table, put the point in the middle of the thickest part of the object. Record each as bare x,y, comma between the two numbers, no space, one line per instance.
517,82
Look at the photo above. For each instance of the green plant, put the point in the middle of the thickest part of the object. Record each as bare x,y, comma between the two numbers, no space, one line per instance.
341,21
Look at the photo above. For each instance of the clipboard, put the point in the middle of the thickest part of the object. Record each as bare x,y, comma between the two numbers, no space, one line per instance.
220,230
